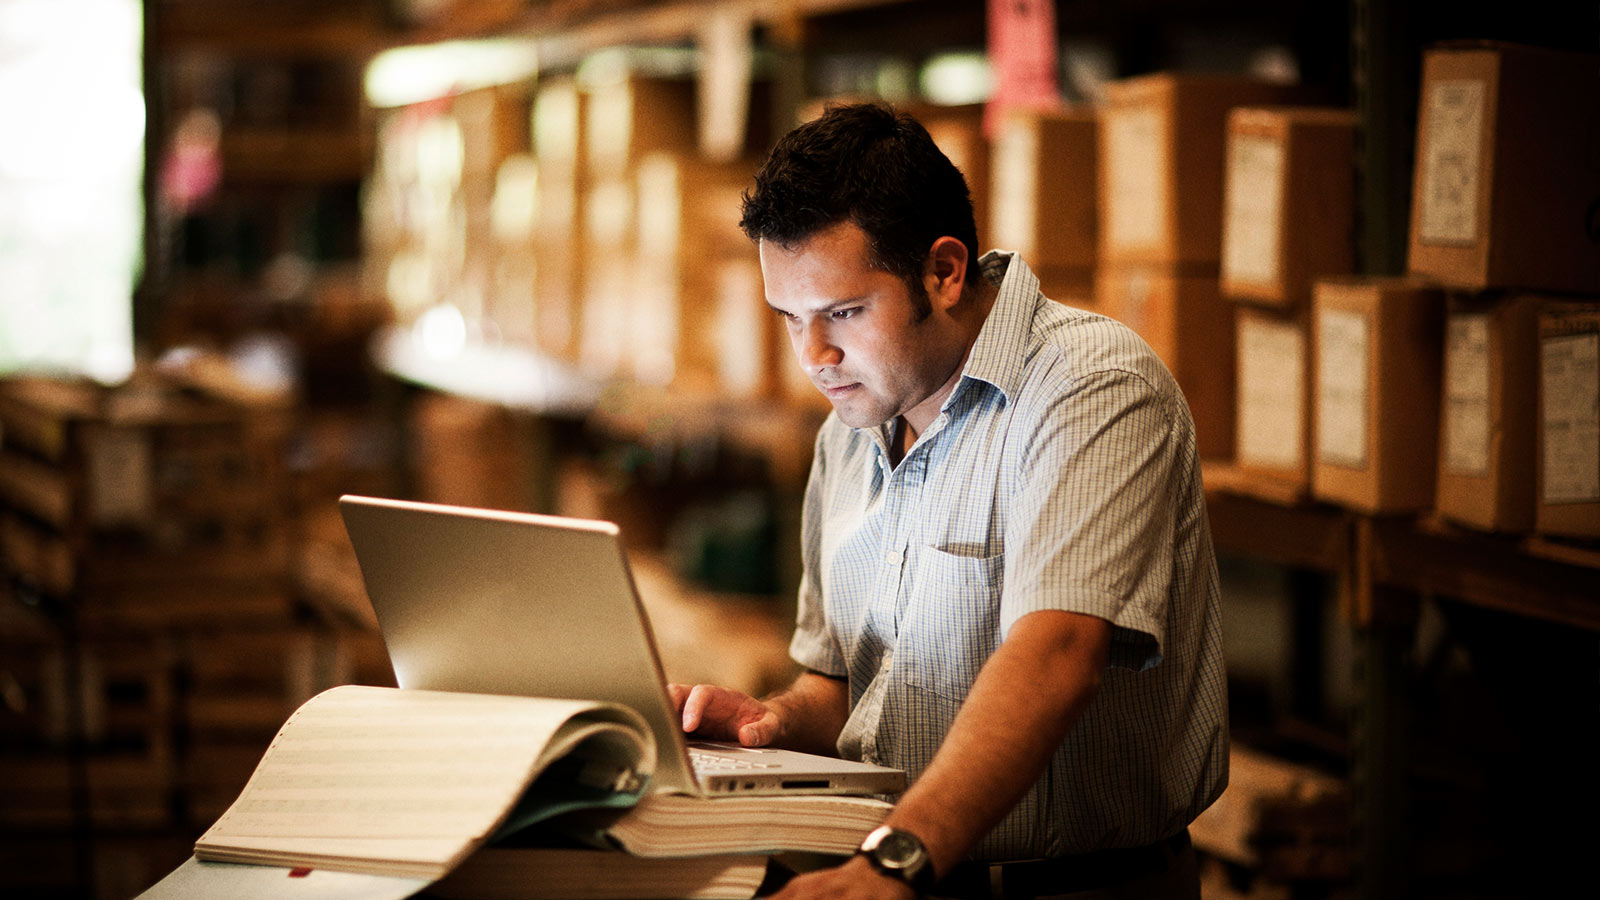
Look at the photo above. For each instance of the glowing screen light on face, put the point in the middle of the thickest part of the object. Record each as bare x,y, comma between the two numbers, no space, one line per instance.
72,129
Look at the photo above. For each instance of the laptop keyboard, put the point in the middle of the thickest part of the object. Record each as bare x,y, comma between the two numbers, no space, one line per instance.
709,761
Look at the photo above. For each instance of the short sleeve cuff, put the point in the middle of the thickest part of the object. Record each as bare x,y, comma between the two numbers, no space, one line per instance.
1136,640
817,653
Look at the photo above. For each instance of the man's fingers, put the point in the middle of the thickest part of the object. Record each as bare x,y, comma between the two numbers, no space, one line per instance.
694,705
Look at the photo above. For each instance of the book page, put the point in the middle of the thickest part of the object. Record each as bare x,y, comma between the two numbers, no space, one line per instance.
1466,395
1342,388
1570,387
1271,393
1136,170
676,824
1452,120
431,772
1253,209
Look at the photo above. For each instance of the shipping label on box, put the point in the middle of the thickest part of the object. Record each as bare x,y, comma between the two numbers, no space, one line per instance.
742,336
1253,208
1135,165
1343,358
556,122
1465,430
1273,409
1569,422
1014,214
1447,199
1570,376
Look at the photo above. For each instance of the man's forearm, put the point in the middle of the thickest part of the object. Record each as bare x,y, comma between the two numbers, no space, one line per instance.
811,712
1019,710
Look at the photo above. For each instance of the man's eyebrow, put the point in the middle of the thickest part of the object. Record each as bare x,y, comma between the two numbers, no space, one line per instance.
842,303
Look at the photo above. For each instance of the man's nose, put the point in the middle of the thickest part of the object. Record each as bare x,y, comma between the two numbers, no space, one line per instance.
816,350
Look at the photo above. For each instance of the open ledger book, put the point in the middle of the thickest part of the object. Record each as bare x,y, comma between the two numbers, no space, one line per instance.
413,783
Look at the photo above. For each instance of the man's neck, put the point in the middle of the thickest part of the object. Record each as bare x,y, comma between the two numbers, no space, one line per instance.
916,420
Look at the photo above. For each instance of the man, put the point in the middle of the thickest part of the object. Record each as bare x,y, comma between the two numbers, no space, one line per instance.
1009,588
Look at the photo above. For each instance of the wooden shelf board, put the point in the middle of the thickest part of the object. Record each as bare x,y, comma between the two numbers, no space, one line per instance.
1491,571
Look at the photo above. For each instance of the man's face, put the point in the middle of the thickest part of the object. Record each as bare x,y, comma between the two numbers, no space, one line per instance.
854,328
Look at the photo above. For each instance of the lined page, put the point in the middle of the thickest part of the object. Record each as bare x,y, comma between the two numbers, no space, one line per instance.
357,766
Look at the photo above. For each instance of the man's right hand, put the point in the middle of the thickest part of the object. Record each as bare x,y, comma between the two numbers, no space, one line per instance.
723,714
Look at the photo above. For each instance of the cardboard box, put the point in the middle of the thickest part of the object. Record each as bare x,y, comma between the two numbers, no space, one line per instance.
1161,140
958,131
608,275
1273,435
1506,186
1488,417
1288,205
1190,327
1377,353
698,319
557,128
1569,426
627,116
1043,178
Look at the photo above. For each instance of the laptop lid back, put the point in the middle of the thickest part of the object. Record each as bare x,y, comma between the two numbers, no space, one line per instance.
478,601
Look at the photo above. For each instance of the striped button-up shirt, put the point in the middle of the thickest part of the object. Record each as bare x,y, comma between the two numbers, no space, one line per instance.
1061,473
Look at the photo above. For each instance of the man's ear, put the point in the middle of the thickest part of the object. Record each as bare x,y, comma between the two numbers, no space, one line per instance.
944,273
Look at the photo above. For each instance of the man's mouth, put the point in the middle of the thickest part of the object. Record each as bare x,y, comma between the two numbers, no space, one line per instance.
839,390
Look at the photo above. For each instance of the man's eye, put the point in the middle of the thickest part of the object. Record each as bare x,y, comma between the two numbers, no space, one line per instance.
846,313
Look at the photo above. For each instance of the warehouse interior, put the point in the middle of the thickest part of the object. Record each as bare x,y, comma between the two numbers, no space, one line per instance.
255,256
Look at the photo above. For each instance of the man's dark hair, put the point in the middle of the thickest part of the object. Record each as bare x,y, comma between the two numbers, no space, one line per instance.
872,166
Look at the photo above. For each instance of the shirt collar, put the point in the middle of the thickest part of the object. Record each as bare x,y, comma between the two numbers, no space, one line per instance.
1000,349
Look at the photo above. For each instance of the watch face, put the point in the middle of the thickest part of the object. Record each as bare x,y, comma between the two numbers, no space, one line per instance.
899,849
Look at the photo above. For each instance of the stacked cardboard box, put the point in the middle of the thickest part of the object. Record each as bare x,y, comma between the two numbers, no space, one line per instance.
698,317
137,516
124,501
1190,327
1503,213
1162,141
1376,374
1488,422
1287,219
958,132
626,119
1506,183
1043,198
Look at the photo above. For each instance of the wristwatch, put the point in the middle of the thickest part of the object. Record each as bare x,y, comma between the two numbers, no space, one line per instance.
900,855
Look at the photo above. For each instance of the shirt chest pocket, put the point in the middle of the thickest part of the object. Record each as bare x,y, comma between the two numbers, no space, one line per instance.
951,622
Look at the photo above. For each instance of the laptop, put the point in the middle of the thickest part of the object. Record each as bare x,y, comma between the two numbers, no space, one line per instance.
493,602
